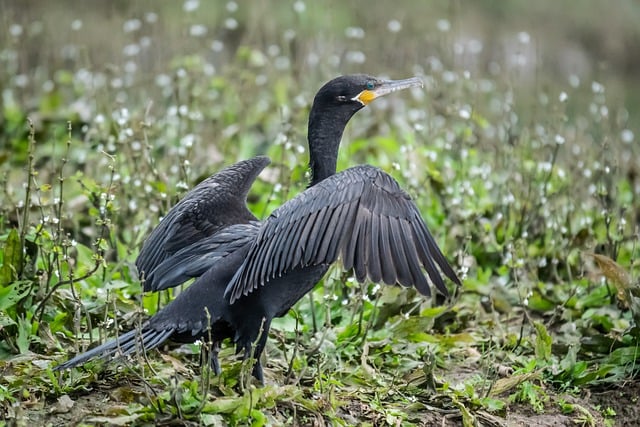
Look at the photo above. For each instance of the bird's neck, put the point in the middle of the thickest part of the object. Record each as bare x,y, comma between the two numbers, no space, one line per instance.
322,166
324,134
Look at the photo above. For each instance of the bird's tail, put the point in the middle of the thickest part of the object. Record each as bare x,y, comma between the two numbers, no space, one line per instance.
145,338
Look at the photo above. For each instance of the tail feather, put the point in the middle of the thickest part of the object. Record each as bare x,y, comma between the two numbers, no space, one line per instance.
156,340
124,345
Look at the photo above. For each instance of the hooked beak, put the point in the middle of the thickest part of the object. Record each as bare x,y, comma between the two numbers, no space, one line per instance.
385,87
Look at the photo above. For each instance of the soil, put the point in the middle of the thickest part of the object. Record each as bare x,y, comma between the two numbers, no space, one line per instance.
103,404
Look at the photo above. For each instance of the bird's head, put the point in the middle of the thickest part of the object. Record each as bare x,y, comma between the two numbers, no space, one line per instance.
349,94
334,105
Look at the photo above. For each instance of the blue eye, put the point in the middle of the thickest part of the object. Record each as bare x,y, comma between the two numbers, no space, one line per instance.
370,85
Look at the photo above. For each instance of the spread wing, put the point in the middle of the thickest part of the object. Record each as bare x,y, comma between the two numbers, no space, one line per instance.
212,205
361,215
193,260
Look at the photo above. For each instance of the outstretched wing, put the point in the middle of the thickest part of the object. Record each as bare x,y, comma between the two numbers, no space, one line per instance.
215,203
361,215
193,260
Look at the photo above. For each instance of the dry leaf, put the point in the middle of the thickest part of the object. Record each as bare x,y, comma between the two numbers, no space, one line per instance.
63,405
506,384
617,275
175,363
612,271
123,420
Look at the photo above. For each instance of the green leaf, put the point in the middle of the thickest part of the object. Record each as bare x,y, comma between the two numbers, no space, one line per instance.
24,335
596,298
223,405
543,342
12,266
539,303
10,295
212,419
625,355
5,320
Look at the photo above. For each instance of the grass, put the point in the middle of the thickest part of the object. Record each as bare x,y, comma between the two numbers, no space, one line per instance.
524,173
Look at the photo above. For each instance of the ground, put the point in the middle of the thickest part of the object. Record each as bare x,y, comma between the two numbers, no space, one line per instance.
107,399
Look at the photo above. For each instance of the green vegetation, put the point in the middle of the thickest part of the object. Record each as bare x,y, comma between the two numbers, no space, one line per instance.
521,153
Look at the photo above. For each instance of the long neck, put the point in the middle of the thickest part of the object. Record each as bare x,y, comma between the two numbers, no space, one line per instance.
324,134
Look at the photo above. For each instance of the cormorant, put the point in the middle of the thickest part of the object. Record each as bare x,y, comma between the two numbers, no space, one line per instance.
249,272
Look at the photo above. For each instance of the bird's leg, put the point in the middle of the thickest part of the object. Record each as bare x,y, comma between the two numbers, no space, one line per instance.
257,367
257,372
262,341
213,358
246,346
257,347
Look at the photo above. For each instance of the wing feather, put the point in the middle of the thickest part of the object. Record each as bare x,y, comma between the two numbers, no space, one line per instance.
216,203
349,254
373,251
386,259
333,231
320,231
290,251
360,215
341,230
306,235
403,275
193,260
360,252
417,277
427,258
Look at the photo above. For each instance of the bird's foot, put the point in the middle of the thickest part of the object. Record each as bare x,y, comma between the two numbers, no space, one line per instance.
257,372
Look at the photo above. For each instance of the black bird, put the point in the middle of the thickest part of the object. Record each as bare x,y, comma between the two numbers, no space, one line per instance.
249,272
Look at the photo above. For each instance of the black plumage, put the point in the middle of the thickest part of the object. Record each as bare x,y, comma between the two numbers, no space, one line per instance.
211,206
249,272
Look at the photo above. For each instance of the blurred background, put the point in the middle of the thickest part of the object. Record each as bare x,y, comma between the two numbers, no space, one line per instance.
522,42
206,83
130,51
232,64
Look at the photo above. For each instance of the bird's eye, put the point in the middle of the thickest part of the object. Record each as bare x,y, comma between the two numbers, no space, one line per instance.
370,85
